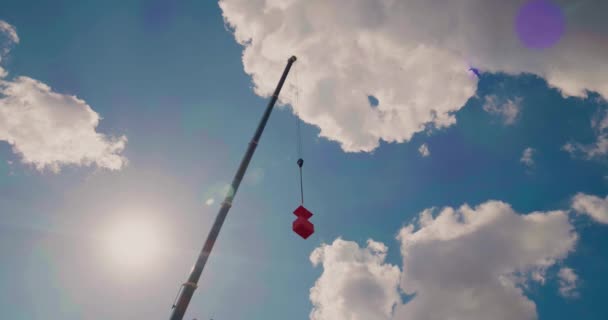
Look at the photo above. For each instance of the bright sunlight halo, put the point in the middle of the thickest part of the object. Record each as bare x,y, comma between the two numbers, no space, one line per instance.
132,243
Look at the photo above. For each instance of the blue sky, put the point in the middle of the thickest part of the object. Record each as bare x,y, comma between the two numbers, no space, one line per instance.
95,241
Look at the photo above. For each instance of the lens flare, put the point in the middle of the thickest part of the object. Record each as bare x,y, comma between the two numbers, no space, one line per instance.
540,24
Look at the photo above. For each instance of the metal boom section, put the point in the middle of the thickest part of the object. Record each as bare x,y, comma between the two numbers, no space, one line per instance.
187,290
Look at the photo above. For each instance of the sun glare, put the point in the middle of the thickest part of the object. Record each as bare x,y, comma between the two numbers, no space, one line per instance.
133,243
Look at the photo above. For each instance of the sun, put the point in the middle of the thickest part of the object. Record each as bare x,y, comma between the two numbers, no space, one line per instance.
132,243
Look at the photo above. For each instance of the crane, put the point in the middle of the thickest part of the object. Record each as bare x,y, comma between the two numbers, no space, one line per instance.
187,289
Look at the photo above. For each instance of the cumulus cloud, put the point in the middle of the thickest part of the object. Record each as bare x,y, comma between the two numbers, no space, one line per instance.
469,263
458,263
48,129
526,157
567,282
356,283
424,150
593,206
599,147
508,110
412,55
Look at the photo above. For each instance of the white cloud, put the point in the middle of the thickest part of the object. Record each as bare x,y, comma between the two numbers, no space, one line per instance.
424,150
526,157
356,283
594,150
50,130
508,110
9,31
413,55
8,38
569,147
210,201
600,123
567,282
468,263
595,207
461,264
599,147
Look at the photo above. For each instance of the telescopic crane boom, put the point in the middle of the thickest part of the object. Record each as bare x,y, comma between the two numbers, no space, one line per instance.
187,289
